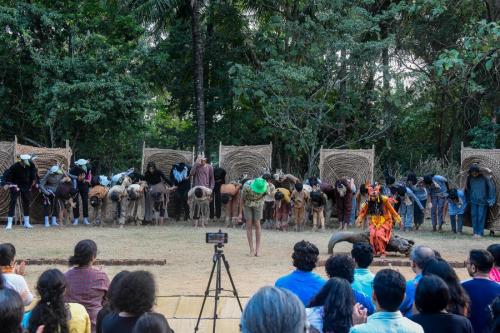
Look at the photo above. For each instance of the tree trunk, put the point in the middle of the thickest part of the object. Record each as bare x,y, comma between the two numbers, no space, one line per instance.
198,75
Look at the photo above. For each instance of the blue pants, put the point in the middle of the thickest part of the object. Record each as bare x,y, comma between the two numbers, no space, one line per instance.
419,213
478,216
437,210
406,213
457,222
353,210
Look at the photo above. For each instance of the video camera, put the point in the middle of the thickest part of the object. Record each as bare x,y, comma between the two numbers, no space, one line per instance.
216,237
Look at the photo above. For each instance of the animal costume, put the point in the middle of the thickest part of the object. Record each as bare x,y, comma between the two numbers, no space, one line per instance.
343,200
381,216
48,186
299,199
81,176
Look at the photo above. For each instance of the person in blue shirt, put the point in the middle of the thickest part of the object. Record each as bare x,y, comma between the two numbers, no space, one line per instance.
388,293
437,187
407,200
419,257
342,266
303,282
418,188
456,208
480,193
362,254
482,291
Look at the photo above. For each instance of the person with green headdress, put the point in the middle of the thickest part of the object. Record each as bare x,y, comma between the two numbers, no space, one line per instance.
253,194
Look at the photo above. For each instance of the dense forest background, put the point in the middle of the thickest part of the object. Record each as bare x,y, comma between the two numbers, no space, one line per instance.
415,78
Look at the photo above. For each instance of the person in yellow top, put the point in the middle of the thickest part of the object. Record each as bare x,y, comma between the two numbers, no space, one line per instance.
52,312
299,198
281,208
381,217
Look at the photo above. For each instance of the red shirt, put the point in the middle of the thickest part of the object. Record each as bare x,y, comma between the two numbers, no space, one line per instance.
87,286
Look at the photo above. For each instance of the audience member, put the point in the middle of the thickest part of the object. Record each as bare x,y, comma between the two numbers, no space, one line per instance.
419,256
135,296
362,254
495,314
431,299
333,309
108,306
274,310
11,311
152,323
494,249
342,266
459,300
303,282
52,312
13,273
388,294
482,291
86,284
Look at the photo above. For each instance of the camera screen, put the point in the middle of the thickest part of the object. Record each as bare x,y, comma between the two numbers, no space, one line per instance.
216,237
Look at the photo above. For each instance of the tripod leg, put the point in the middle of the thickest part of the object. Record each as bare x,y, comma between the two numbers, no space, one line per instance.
218,288
207,291
235,292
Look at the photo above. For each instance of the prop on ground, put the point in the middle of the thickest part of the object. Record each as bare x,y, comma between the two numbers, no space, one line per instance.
396,243
340,163
252,161
486,159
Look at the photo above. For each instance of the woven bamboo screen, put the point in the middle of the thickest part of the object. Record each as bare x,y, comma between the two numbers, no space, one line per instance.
165,158
487,158
250,160
7,151
339,163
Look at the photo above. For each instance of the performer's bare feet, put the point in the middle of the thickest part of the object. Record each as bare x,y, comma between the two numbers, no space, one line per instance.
257,254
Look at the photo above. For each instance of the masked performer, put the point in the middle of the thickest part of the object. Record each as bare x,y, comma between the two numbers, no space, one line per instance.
81,176
48,186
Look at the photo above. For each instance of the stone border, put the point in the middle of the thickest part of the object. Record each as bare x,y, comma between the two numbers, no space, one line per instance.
104,262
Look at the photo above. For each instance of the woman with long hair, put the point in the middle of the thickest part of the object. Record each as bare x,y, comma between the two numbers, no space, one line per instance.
11,311
52,312
108,306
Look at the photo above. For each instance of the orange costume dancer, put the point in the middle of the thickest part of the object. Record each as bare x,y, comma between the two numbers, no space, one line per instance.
381,216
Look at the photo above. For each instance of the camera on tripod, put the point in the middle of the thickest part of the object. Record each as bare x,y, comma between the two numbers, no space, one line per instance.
216,237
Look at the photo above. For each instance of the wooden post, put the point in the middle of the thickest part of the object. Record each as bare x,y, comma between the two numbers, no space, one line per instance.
321,163
68,154
194,157
373,163
142,160
220,154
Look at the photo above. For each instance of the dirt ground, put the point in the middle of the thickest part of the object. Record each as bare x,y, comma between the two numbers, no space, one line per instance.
189,259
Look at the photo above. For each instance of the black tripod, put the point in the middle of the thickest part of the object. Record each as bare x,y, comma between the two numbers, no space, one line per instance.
217,259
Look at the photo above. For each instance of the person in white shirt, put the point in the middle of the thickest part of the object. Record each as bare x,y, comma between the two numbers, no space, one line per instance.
12,273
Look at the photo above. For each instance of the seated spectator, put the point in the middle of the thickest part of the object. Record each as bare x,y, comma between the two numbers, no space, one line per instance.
11,311
13,273
152,323
86,284
459,300
274,310
333,309
303,282
431,299
495,314
52,312
342,266
108,306
494,249
388,294
482,291
419,256
362,254
135,296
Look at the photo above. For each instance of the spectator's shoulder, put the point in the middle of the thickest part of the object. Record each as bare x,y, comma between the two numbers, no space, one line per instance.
413,326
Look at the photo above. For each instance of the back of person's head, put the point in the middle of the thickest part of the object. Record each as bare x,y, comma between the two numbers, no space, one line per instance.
495,314
225,198
151,322
278,195
305,255
494,249
11,311
389,287
428,179
299,186
341,266
337,300
50,310
420,255
482,260
114,286
198,192
274,310
267,176
453,194
411,178
432,294
363,189
362,254
84,254
7,254
136,293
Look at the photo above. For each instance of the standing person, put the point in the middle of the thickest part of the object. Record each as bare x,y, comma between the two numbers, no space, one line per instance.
203,173
407,200
269,199
252,198
362,253
318,203
215,205
343,199
179,177
52,311
12,273
199,204
381,216
299,199
456,208
230,198
20,178
85,283
480,193
494,249
437,187
388,293
281,208
48,185
482,291
81,176
418,187
153,176
303,282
